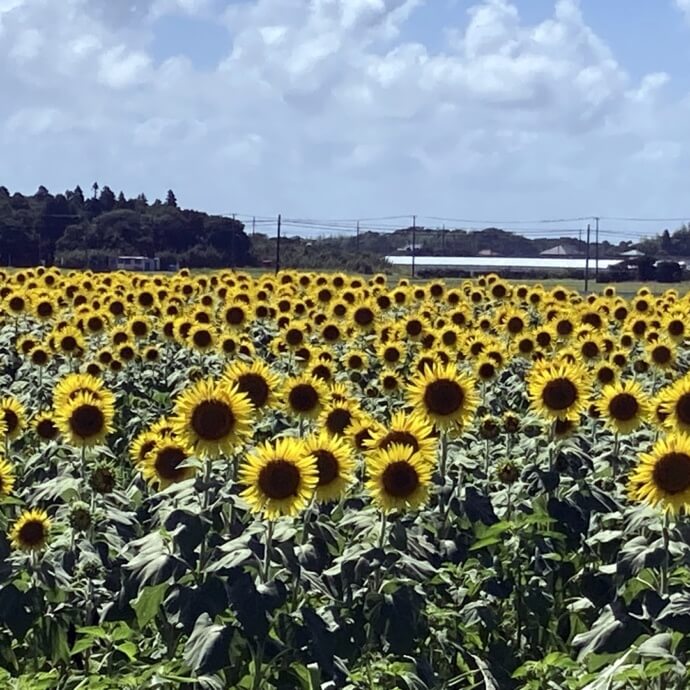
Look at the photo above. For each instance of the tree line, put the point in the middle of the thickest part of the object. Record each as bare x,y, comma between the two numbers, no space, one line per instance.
72,230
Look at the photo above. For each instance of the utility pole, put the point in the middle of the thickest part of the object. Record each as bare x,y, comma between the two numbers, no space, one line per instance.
414,241
232,244
587,261
443,239
357,238
596,250
278,246
253,225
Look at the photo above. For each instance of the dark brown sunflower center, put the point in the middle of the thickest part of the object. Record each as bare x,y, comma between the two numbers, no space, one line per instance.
363,316
544,339
327,465
146,448
46,429
515,324
331,332
443,397
303,398
338,420
590,349
400,479
87,420
202,338
16,304
39,357
69,343
564,327
127,353
32,533
661,354
563,426
294,337
676,327
559,394
623,407
279,479
321,371
672,473
44,309
405,438
139,328
390,383
234,316
212,420
168,461
355,362
145,299
414,327
11,421
391,354
255,388
605,375
683,408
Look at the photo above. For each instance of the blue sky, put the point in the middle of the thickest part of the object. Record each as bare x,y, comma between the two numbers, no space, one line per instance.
477,109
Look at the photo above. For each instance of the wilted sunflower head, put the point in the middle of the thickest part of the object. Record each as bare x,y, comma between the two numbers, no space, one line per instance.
508,472
662,476
489,427
281,478
398,478
103,478
31,530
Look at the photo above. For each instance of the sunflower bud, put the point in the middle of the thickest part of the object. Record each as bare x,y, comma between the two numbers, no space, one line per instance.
103,479
80,516
508,472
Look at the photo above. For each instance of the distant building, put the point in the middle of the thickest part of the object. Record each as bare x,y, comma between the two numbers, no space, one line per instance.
633,253
410,247
137,263
562,250
487,252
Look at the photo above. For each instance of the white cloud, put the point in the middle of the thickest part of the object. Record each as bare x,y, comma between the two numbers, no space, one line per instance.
321,107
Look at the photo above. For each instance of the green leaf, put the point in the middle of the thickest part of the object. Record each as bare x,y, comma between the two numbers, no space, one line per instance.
129,649
148,602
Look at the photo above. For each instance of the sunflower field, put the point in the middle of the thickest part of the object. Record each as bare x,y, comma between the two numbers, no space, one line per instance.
324,482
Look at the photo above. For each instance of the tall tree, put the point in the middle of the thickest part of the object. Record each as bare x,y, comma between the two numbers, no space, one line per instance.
171,199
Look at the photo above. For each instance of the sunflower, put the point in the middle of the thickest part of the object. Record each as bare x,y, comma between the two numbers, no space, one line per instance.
85,420
202,337
662,476
444,395
624,406
7,477
558,390
31,530
13,417
69,340
281,478
391,354
212,418
398,478
142,445
256,380
661,354
304,396
336,417
45,426
71,385
335,464
413,430
164,464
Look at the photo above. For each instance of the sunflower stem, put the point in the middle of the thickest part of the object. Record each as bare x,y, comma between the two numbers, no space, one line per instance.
266,572
665,535
487,457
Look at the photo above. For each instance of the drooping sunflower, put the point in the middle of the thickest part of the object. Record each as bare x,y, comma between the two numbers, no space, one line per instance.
7,477
662,476
335,464
558,390
443,395
85,420
212,418
398,478
31,530
13,416
624,406
281,478
256,380
164,464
